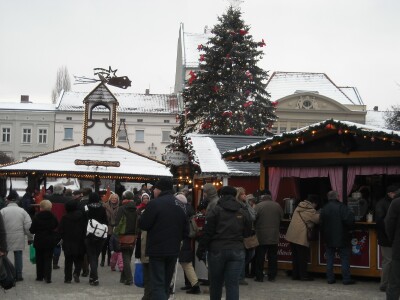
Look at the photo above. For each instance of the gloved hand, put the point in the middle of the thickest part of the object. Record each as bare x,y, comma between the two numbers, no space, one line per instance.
201,254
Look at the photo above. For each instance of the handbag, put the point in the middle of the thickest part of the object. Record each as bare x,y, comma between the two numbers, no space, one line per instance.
96,230
32,254
127,241
138,276
7,273
312,232
250,242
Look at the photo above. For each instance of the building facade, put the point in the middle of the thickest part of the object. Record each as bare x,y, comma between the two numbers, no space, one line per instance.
144,123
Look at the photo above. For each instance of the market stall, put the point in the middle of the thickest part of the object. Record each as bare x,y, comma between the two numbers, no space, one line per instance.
357,161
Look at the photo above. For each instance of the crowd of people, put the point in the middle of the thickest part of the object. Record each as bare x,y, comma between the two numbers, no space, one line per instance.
153,226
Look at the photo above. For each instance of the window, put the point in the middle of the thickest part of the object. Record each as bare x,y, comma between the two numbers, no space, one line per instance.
69,118
6,134
26,135
68,134
140,120
42,136
166,121
165,136
282,129
139,136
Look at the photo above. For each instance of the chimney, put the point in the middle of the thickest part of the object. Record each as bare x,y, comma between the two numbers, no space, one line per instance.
375,108
147,92
25,99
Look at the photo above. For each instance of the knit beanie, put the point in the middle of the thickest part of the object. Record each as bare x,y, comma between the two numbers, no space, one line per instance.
181,197
210,190
228,190
164,184
94,198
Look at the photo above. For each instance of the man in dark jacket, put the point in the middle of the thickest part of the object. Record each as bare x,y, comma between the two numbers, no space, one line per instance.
392,226
72,230
226,225
385,244
336,221
166,225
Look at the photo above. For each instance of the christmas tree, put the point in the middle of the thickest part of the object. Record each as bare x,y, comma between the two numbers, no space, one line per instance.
227,95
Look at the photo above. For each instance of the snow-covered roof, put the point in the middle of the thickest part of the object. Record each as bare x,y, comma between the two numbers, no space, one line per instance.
207,149
375,118
27,106
190,53
282,84
128,102
361,128
352,93
63,162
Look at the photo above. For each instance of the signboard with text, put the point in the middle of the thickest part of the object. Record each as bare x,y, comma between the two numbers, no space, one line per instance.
176,158
360,251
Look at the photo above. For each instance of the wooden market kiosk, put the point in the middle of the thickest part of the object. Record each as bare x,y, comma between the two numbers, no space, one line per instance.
97,158
330,155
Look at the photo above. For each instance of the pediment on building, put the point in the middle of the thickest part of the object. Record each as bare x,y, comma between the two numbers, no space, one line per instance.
309,101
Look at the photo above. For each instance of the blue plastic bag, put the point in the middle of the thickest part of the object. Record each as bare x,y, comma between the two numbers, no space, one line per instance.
138,276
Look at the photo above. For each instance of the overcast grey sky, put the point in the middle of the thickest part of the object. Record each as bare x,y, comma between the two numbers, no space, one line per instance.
355,42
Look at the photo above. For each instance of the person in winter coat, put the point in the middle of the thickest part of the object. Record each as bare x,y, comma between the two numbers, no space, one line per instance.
186,254
226,226
111,207
94,210
3,238
268,219
43,226
72,231
166,225
384,243
304,216
116,254
16,223
210,195
392,226
336,221
127,210
58,200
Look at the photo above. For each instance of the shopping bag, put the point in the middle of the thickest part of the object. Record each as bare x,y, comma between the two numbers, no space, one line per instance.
7,273
138,276
32,254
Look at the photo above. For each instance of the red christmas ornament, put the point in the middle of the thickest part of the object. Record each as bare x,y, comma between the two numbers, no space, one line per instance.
247,93
330,126
200,47
202,57
249,131
248,103
206,125
215,88
227,113
193,77
262,43
274,104
249,75
243,32
228,56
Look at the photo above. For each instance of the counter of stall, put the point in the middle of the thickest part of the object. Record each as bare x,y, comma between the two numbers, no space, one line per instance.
365,257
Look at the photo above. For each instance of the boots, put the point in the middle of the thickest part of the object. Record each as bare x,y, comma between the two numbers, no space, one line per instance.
55,262
194,289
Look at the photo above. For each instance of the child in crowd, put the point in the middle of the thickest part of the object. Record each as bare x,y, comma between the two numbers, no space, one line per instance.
116,254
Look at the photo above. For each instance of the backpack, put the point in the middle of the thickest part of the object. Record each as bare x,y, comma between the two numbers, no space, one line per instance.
7,273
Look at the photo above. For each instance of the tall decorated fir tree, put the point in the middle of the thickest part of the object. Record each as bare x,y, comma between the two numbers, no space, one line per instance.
227,95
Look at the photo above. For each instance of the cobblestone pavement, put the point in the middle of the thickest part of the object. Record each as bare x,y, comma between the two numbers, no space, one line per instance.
110,288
